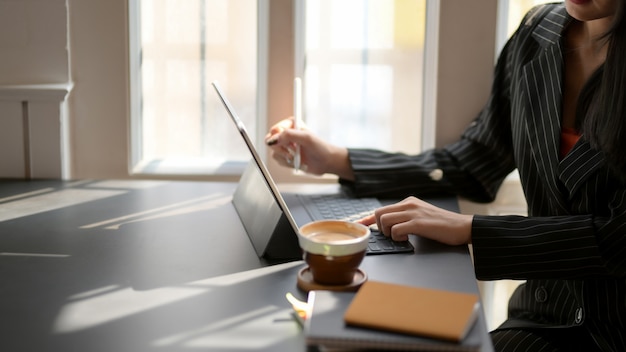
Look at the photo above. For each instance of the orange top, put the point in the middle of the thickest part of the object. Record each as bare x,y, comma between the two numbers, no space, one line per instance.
569,137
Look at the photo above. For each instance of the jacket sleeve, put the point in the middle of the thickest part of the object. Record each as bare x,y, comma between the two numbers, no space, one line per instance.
434,172
473,168
568,246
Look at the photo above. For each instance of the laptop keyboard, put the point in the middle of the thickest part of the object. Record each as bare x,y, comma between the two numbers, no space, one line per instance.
339,207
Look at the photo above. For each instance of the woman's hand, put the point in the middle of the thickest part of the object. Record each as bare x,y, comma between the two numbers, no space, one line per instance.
417,217
316,156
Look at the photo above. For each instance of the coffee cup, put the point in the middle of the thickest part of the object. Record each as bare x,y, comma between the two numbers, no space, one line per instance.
333,250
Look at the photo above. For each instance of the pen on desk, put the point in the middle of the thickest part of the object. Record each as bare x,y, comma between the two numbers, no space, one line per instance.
297,117
300,309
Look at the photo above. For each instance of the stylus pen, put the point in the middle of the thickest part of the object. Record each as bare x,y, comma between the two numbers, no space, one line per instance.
297,117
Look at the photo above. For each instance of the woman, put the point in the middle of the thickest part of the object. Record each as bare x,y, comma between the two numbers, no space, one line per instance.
557,113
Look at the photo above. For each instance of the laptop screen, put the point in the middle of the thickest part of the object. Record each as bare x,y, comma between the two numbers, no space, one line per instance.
266,217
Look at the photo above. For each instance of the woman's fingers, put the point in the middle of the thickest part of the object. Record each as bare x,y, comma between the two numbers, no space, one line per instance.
368,220
392,221
417,217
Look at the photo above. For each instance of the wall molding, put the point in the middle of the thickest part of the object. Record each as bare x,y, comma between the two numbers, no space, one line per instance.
34,131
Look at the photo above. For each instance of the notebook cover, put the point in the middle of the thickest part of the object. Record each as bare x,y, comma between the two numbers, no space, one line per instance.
412,310
325,326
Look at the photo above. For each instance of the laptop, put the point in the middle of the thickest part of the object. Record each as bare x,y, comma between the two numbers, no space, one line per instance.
272,219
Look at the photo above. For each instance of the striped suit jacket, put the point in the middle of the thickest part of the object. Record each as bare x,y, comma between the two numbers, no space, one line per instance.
571,248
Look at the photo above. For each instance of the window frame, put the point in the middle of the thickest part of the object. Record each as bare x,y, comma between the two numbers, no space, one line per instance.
195,167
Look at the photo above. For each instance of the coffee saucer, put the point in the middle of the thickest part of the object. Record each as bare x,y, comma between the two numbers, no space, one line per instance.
306,283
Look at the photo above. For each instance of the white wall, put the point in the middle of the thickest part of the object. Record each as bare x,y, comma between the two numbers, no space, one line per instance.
34,80
99,104
467,32
33,42
55,43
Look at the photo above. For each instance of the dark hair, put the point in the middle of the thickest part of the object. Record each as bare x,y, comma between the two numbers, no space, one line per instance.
602,105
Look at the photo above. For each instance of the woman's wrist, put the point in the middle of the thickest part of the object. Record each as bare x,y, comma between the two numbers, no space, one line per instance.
339,163
466,227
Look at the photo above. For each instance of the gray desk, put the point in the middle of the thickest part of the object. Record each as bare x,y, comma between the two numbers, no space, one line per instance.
160,266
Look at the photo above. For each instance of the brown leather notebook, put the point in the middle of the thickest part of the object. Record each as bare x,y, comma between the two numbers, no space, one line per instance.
439,314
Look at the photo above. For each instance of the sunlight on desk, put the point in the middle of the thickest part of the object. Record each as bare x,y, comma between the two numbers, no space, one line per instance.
125,184
254,330
116,304
78,192
40,203
106,304
233,279
186,207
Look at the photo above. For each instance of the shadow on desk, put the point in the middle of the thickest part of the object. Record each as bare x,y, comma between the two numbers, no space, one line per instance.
153,265
117,266
217,314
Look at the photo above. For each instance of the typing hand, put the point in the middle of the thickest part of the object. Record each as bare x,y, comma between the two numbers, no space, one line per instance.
415,216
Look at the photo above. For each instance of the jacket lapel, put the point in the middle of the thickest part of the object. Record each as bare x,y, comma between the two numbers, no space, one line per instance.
543,86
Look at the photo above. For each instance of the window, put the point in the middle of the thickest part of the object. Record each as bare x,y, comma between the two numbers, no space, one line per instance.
179,48
363,72
363,76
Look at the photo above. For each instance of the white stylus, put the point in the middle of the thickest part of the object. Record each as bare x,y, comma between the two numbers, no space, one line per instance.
297,117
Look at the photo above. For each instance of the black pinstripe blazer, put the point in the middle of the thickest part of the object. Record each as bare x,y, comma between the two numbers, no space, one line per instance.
571,248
